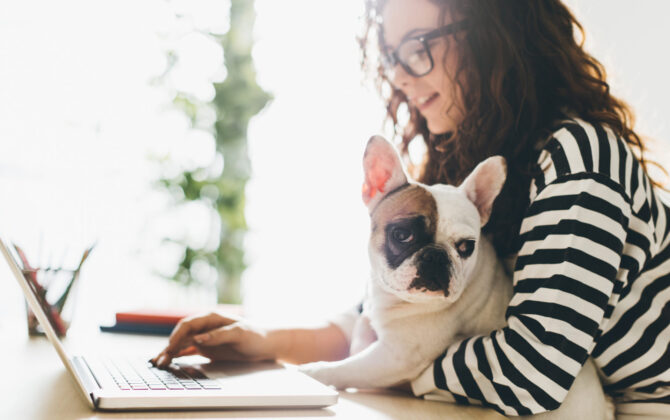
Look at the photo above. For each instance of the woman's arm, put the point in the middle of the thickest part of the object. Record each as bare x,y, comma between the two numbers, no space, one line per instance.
573,237
304,345
221,337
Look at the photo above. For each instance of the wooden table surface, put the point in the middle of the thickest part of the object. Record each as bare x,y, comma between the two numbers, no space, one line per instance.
37,386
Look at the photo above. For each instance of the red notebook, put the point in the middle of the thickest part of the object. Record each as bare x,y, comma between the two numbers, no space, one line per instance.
167,316
152,316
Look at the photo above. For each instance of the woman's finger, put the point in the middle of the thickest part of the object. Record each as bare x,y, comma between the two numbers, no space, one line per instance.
182,334
222,335
187,351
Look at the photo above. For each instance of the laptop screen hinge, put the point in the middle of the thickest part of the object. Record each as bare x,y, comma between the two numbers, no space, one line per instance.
95,401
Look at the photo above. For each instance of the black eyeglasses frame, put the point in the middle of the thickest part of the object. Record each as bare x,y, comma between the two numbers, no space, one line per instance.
391,58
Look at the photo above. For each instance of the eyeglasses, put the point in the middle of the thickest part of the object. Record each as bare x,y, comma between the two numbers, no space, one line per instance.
413,54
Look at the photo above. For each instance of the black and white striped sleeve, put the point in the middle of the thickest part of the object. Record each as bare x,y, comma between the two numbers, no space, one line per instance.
573,236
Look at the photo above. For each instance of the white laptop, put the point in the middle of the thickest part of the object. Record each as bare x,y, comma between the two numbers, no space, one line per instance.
108,383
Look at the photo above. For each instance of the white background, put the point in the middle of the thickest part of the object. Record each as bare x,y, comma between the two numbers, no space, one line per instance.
80,122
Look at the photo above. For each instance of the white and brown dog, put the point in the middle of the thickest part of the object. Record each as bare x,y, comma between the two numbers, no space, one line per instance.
435,279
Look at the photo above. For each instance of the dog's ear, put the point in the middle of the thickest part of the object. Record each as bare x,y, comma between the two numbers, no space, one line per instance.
383,170
483,185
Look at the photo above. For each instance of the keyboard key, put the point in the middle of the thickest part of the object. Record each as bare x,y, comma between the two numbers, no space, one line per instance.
142,375
179,374
192,372
210,385
186,381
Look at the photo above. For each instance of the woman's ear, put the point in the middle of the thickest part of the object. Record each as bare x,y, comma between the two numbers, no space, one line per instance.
484,183
383,170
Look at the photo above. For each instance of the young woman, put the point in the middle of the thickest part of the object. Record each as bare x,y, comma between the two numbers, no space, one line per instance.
578,215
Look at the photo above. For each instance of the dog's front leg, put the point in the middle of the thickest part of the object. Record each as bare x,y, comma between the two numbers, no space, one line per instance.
378,365
362,335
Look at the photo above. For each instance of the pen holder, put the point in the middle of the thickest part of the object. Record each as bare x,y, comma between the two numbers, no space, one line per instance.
56,297
55,290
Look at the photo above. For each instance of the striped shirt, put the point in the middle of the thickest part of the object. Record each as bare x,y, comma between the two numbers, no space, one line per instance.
592,278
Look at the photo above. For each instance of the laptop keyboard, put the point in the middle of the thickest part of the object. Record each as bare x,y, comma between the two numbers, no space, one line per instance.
142,375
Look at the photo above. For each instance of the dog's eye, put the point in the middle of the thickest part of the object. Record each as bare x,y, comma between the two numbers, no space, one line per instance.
465,247
402,235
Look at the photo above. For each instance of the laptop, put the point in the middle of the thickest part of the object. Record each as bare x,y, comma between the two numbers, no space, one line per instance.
115,383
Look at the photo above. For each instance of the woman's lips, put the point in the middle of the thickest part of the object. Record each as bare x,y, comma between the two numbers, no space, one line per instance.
426,101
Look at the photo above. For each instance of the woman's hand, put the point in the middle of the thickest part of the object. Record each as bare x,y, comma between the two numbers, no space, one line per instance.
218,337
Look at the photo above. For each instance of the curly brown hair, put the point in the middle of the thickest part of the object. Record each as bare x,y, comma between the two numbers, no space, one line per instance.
521,70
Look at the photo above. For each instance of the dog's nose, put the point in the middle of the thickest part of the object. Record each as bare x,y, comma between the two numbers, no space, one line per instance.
433,255
432,269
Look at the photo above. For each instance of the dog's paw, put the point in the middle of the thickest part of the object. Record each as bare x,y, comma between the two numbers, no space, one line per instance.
324,372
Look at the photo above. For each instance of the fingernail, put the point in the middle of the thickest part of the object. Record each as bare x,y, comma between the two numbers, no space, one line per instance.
200,338
161,360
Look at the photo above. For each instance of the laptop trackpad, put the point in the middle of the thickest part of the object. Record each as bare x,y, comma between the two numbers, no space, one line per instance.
256,376
216,370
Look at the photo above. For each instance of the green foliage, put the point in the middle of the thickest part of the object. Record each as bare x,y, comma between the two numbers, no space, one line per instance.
237,99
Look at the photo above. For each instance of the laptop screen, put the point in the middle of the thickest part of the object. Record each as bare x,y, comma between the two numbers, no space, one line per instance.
12,259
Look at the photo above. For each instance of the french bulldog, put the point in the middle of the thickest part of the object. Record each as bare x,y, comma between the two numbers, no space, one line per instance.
435,280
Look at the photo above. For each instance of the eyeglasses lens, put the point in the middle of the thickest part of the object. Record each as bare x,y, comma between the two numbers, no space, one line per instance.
414,55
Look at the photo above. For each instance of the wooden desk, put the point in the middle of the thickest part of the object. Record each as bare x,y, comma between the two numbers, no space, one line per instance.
43,389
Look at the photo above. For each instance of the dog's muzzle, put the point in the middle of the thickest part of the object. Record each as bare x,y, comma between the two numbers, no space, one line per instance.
432,269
